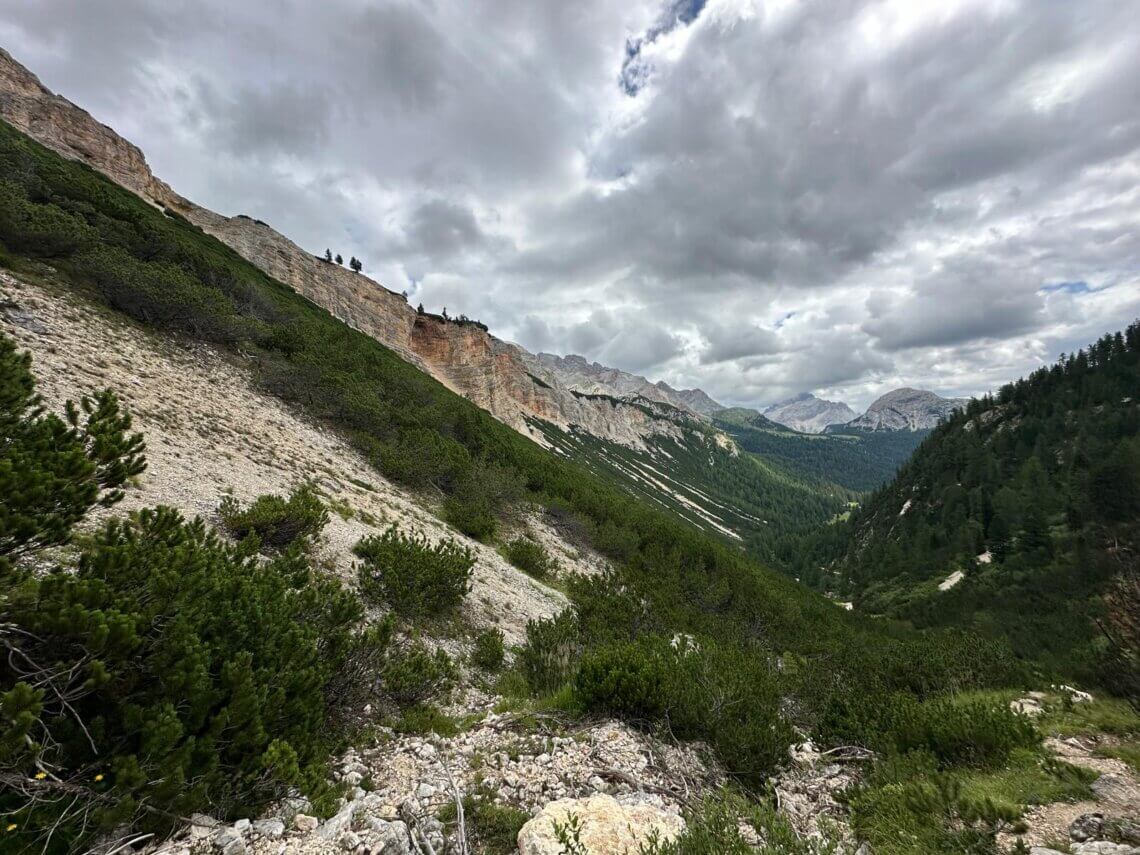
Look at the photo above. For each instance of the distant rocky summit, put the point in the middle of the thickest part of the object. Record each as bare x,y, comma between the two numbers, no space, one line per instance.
809,414
906,409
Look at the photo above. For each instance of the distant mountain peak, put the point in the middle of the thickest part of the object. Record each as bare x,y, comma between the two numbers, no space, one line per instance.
906,409
809,414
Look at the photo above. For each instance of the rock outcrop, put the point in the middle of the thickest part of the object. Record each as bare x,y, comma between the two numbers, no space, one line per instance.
906,409
809,414
601,824
494,374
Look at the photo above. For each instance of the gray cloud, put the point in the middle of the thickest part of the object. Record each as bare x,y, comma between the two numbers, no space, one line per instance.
759,199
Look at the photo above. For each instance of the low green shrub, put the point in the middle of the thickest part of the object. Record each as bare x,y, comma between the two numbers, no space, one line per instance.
414,577
550,655
700,689
973,733
530,557
277,522
488,652
628,681
423,719
413,674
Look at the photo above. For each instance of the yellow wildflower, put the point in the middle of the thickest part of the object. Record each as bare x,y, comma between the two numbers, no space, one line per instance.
99,777
41,775
11,826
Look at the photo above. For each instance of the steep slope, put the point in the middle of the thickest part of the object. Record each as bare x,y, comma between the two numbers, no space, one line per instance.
695,399
1013,514
590,378
906,409
461,355
809,414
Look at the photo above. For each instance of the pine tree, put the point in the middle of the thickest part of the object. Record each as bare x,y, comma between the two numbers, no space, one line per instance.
356,264
339,260
328,255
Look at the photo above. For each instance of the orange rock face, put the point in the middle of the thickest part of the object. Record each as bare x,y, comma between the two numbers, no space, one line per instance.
493,374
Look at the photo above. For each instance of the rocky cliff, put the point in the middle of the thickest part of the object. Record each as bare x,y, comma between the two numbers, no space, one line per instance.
906,409
496,375
809,414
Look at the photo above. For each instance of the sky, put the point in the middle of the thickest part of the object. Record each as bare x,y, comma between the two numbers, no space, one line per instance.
756,198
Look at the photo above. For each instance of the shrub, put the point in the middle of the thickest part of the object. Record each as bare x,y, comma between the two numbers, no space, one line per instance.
627,680
972,733
412,674
488,652
551,652
277,522
495,827
190,677
480,497
530,557
53,471
415,578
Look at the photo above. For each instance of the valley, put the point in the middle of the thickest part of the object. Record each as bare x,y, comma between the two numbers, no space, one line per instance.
288,565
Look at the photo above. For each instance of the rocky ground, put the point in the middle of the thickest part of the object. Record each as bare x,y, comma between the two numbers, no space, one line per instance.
210,433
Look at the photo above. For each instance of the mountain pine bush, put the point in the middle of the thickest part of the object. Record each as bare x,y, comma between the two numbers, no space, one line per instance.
168,671
412,576
277,521
530,557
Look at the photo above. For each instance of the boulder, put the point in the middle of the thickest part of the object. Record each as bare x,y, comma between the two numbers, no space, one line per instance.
605,826
1104,847
1087,826
335,826
270,828
304,822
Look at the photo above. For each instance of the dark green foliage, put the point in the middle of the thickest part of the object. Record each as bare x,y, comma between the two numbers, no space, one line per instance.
413,577
188,675
668,577
626,680
413,674
530,557
855,459
699,689
550,655
488,651
276,521
52,470
1045,477
479,497
973,733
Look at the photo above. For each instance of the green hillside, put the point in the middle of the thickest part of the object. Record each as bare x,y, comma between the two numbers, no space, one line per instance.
1033,494
157,608
853,459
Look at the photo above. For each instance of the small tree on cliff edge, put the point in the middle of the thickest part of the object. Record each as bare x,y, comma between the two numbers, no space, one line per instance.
339,260
328,255
356,264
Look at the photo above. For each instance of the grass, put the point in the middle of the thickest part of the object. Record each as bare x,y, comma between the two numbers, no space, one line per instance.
1129,752
1103,715
1029,778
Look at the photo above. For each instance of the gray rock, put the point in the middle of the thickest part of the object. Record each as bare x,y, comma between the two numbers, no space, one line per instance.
242,825
425,791
1087,826
1104,847
1111,788
391,837
26,320
1042,850
229,841
304,822
270,828
336,825
352,778
202,826
350,840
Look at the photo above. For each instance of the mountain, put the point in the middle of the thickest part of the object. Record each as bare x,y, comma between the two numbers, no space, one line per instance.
809,414
906,409
695,399
161,668
1015,513
578,373
461,354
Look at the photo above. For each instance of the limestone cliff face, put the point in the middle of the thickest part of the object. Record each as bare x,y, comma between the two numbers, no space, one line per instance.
493,374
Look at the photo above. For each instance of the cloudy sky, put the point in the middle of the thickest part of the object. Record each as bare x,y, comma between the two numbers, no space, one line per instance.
759,198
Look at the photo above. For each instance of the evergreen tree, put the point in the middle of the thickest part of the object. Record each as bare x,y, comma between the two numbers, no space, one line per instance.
356,264
328,255
339,260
